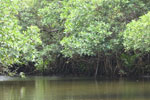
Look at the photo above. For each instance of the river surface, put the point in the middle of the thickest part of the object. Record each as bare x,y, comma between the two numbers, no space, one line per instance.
56,88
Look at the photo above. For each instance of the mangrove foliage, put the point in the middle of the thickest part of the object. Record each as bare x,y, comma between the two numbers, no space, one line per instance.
75,37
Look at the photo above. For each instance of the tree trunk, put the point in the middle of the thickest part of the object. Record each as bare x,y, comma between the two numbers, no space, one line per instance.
96,70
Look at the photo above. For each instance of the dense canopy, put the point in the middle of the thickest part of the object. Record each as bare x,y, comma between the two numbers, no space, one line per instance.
79,37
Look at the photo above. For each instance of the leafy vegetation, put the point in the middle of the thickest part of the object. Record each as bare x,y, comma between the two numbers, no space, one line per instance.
16,46
79,37
137,34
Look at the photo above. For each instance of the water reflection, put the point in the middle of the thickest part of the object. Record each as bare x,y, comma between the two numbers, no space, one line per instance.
47,88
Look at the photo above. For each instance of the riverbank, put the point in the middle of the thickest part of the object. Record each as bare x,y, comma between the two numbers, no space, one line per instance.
61,37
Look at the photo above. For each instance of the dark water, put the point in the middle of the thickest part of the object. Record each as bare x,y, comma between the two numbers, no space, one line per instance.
55,88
